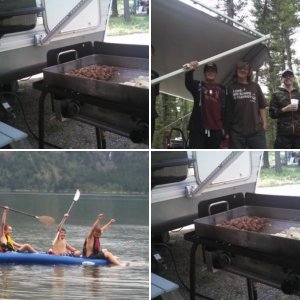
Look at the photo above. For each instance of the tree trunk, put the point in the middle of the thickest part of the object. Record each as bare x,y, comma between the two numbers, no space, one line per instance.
114,8
266,162
229,10
126,11
288,49
277,162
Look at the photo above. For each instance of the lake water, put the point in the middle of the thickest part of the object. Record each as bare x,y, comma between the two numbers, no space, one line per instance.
128,239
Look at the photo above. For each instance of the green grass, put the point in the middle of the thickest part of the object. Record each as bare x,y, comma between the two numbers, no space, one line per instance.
137,24
289,175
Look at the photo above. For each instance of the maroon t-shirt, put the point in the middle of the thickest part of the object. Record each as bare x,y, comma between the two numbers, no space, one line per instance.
212,106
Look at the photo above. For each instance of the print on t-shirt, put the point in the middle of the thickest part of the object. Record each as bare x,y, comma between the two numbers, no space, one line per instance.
244,94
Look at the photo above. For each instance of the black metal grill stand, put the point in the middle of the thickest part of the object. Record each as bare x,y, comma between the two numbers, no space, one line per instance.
100,136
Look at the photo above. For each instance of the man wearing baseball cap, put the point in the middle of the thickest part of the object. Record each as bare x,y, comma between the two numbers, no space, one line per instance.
208,119
284,107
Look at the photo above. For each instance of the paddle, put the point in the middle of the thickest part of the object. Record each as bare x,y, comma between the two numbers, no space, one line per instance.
43,219
76,197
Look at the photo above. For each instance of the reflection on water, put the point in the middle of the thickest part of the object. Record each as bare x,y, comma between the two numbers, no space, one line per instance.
128,242
94,275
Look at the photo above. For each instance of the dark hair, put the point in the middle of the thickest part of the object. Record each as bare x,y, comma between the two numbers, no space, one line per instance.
240,64
63,229
210,65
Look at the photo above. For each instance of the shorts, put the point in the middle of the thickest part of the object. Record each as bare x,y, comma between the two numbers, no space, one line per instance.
99,255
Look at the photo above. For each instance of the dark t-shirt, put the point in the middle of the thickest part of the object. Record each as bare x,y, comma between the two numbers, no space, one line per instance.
245,102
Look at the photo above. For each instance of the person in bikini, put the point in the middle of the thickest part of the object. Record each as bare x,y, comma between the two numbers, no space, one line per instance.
61,246
6,241
92,246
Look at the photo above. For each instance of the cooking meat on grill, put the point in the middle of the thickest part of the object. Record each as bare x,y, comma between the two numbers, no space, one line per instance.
246,223
95,72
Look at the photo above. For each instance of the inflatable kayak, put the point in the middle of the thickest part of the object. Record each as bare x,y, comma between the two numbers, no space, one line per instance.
47,259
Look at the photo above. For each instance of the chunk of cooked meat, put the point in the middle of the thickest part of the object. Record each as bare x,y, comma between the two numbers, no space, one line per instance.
95,72
246,223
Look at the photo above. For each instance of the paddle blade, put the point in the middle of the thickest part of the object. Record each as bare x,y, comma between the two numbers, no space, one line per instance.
77,195
46,220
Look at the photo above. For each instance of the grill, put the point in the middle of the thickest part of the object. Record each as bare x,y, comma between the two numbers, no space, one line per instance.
258,256
108,105
126,68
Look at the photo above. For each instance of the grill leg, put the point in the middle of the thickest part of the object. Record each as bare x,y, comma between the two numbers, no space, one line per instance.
100,136
252,292
41,119
193,271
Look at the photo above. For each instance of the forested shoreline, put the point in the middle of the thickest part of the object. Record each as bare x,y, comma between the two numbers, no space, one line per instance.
61,172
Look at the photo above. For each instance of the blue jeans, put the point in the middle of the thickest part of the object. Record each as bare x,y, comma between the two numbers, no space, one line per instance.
253,141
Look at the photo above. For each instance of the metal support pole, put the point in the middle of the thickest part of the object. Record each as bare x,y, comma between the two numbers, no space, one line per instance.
100,136
193,270
252,292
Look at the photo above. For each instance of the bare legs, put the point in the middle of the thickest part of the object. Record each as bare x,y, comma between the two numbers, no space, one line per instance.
27,247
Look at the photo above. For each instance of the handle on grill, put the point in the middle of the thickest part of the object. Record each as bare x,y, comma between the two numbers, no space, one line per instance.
216,204
66,52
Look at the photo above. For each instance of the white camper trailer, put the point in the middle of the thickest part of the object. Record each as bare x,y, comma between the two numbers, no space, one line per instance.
30,28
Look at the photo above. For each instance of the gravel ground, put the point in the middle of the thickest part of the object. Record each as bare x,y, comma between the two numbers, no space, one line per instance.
220,285
69,134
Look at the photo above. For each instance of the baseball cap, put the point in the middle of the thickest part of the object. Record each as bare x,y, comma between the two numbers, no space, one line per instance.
287,71
210,65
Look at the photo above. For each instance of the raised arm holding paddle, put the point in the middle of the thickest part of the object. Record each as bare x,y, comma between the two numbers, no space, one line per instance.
6,241
43,219
60,245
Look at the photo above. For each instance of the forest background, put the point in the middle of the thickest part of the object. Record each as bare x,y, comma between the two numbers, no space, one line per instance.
118,172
